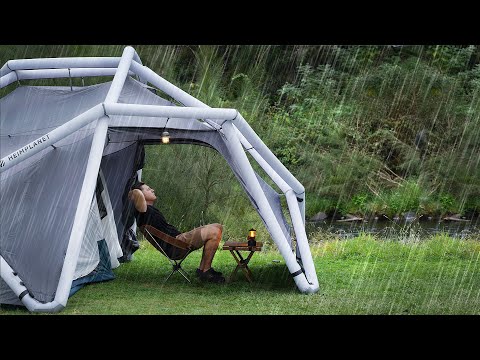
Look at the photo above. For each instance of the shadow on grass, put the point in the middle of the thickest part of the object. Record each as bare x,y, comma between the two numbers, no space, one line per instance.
146,280
265,277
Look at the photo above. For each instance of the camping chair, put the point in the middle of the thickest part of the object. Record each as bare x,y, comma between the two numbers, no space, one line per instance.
182,249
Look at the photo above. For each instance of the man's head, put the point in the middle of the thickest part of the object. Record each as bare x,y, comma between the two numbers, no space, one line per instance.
147,191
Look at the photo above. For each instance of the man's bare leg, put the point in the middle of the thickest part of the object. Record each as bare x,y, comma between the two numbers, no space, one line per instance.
213,234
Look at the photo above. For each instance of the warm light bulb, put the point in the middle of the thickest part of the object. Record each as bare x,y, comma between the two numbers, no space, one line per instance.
252,233
165,137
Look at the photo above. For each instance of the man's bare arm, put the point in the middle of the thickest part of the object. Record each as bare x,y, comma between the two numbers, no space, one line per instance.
138,200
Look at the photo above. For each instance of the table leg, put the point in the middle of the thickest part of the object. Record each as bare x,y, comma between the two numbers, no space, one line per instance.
242,264
237,267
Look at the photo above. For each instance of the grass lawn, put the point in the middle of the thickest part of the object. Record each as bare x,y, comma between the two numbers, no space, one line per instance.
363,275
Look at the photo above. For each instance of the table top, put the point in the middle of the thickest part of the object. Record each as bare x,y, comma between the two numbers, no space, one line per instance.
238,245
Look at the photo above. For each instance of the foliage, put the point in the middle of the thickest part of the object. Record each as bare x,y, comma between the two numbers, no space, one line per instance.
343,119
379,106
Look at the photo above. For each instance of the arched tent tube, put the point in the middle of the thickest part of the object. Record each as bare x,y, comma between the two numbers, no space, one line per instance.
89,182
259,146
265,152
294,206
242,125
284,187
170,111
126,66
167,87
16,284
302,241
110,109
301,199
50,138
55,74
241,160
269,162
7,79
59,63
263,164
81,215
72,63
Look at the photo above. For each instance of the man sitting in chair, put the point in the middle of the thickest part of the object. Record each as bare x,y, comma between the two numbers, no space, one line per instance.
207,236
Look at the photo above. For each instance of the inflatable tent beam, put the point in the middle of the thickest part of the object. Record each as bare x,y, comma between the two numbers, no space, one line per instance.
284,187
293,207
98,111
90,181
16,285
170,111
20,69
51,138
188,100
86,194
298,218
67,62
240,158
79,67
106,109
55,74
275,169
59,63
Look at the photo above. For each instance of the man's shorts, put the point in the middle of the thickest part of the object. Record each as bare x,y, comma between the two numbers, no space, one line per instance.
194,237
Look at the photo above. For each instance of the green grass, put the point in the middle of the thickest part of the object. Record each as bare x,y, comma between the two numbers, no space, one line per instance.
364,275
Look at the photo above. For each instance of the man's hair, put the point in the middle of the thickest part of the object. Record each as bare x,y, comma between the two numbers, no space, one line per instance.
138,185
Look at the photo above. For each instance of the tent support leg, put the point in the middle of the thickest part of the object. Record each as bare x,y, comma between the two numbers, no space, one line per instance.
89,182
241,160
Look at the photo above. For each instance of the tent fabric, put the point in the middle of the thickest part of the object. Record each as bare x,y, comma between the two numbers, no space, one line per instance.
119,179
101,272
35,231
88,258
42,192
109,227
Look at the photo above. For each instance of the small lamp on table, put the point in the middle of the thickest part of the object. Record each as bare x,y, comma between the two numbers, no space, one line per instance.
252,233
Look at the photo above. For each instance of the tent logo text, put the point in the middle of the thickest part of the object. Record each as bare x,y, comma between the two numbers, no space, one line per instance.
2,163
28,147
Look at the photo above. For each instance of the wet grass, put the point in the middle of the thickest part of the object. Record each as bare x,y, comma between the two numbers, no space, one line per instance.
362,275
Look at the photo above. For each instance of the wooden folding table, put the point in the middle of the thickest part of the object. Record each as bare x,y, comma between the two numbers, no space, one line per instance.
242,263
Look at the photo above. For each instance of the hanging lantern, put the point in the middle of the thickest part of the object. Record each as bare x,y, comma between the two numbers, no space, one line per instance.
165,137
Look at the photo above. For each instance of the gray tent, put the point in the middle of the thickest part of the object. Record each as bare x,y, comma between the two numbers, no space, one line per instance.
68,154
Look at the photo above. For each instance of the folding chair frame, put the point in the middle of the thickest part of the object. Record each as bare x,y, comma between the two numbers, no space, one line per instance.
147,230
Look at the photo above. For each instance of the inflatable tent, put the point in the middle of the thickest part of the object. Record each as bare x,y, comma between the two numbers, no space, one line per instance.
68,154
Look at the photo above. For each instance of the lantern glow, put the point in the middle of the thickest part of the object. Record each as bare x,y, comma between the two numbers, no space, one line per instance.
165,137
